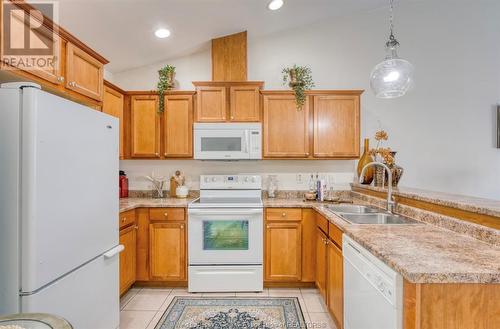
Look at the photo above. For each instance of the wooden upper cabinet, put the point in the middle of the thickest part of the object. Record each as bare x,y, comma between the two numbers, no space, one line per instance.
211,104
285,129
167,251
84,73
144,126
245,103
335,283
178,126
283,251
336,126
113,102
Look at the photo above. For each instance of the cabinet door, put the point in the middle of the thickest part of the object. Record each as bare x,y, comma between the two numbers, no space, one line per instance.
144,127
178,126
128,238
336,126
113,105
286,129
48,69
245,103
283,252
167,251
321,262
84,73
211,104
335,283
308,245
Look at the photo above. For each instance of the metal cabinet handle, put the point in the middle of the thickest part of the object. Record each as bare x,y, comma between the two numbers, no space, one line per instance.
182,226
60,79
283,215
165,214
157,154
165,154
124,219
136,227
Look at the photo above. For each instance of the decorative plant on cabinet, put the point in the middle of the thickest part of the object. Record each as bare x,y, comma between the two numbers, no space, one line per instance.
299,78
166,82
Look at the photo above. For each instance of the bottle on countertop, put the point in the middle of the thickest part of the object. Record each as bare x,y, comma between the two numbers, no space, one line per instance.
123,184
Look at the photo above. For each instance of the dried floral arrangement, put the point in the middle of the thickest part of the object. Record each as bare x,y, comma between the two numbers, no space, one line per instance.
384,154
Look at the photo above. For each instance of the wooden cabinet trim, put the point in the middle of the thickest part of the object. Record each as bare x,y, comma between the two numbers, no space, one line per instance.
128,238
126,218
335,284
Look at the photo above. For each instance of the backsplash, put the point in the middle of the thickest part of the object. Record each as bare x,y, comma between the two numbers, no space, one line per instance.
338,174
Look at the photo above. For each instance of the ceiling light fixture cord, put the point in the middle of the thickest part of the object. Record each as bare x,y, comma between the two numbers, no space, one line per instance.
392,39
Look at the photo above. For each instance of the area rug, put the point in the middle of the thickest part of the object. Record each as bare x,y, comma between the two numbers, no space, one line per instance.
232,313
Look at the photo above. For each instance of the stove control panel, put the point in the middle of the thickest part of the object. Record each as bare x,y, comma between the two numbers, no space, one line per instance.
228,182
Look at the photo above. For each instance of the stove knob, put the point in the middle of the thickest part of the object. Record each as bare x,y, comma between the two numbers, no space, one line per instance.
246,179
207,179
253,179
214,179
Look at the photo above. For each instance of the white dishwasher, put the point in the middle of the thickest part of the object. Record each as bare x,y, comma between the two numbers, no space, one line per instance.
373,292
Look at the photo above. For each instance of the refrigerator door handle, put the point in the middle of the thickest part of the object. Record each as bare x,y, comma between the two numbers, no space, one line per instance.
115,251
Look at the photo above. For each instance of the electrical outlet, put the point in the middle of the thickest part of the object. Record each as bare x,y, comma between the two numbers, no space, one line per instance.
299,179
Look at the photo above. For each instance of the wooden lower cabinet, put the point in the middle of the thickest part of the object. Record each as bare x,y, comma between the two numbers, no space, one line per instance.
321,240
128,238
335,283
283,251
167,244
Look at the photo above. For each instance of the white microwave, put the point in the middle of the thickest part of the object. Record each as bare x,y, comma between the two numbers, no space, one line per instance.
227,141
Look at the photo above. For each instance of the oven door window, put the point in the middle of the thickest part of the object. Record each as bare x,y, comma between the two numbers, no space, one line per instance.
225,235
221,144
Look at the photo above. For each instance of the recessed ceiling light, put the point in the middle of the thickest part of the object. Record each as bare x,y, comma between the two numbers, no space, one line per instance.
162,33
275,4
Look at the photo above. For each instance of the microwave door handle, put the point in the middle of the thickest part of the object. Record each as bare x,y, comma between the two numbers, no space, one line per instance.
246,142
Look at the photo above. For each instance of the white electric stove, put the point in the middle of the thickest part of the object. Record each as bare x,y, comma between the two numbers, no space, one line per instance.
225,234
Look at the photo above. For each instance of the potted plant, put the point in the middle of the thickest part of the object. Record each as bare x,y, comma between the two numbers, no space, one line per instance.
166,82
298,78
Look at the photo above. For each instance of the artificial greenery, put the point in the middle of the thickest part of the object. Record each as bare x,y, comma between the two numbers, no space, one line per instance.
298,78
164,83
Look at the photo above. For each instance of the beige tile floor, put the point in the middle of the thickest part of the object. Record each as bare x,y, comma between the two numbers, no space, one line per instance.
142,308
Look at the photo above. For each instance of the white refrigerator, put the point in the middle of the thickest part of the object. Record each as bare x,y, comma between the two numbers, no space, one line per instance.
59,242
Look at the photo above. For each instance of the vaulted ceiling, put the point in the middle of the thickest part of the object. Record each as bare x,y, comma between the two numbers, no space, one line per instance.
123,30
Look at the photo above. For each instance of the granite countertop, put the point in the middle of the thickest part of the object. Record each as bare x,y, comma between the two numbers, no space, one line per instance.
473,204
420,253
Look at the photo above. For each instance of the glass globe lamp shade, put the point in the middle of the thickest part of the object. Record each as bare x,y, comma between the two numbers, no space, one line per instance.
392,77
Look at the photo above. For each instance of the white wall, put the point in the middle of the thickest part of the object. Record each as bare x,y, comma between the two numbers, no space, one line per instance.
291,174
444,130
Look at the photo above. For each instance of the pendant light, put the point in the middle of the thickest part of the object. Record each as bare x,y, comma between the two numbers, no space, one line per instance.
392,77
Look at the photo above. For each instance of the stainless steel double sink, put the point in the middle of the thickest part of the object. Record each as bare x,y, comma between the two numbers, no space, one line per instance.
356,214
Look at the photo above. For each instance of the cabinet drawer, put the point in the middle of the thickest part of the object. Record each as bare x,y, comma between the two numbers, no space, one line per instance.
127,218
280,214
322,223
163,214
335,234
